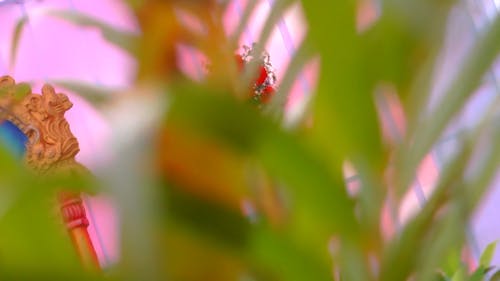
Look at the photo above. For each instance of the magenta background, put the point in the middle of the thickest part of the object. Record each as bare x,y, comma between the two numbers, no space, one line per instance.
53,49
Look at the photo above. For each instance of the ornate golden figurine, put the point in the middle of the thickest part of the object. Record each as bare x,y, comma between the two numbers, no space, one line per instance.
51,148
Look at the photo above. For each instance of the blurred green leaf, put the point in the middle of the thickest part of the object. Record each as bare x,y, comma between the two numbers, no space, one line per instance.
18,91
16,37
345,122
487,255
122,39
344,109
277,252
476,64
301,56
452,262
478,184
402,251
244,21
320,191
495,276
95,94
33,242
460,275
479,274
224,226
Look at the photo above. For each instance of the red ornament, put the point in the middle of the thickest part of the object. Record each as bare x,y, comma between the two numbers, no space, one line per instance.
263,86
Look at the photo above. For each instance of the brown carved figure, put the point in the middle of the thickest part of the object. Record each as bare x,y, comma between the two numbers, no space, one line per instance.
51,148
53,145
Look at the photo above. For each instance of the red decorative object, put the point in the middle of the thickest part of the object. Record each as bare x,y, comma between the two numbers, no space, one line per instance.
263,86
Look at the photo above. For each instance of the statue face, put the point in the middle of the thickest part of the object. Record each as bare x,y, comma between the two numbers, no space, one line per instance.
63,103
56,104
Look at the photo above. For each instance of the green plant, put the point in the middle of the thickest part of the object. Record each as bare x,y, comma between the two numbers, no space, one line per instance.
172,228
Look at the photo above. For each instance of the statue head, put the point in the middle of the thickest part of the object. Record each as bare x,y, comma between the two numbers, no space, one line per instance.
55,104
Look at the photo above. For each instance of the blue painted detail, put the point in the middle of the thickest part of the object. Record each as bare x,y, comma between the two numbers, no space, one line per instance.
13,138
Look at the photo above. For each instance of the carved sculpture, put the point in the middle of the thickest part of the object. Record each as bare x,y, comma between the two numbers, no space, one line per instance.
51,148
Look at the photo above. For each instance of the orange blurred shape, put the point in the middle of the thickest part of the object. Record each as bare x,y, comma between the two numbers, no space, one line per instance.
210,171
201,166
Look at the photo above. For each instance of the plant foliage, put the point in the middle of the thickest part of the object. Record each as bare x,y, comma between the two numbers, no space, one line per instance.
194,152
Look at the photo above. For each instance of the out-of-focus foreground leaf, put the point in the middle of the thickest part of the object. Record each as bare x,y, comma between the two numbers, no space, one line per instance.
34,245
319,204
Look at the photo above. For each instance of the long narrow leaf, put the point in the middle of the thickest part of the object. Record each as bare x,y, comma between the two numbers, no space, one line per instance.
97,95
487,255
301,56
16,37
243,23
123,39
465,82
402,251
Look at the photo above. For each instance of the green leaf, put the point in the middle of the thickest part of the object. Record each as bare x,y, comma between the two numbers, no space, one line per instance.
122,39
412,238
244,20
16,37
317,191
478,183
346,126
495,276
286,258
470,74
95,94
344,107
460,275
22,90
223,226
478,274
18,91
301,56
487,255
452,262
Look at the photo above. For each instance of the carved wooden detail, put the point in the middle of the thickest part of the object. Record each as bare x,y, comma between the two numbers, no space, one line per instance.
51,148
41,118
